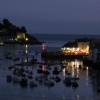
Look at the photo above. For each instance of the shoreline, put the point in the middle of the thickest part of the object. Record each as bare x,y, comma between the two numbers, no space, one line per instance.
59,56
23,43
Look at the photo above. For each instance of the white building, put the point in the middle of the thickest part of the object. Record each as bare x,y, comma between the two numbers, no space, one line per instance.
79,47
20,35
94,52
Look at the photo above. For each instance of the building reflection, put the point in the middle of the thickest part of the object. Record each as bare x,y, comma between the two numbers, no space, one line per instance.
64,73
95,80
26,49
89,75
72,66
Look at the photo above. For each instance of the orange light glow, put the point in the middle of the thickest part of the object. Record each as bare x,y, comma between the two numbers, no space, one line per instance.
26,39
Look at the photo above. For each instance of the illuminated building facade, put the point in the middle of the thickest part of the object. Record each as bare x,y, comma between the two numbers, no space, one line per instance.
79,47
20,36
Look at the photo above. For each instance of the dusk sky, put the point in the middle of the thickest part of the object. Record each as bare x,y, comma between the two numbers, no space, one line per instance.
53,16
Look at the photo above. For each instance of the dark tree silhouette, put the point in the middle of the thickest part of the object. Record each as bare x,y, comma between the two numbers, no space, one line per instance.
6,23
12,30
23,29
1,26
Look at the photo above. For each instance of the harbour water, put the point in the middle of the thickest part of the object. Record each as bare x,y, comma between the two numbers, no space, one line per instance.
56,41
88,80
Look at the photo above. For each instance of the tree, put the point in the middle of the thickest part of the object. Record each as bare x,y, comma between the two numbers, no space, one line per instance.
1,26
17,29
6,23
23,29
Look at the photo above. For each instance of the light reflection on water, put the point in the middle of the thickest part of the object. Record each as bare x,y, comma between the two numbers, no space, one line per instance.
86,89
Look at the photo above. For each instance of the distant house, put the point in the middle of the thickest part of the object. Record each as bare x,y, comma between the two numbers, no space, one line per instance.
79,47
94,54
20,36
69,48
83,45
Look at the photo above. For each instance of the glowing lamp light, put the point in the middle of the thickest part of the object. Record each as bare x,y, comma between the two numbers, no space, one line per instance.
43,46
75,64
26,39
76,53
42,67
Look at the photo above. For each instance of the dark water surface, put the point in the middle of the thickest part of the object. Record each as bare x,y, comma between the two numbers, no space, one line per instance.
56,41
87,89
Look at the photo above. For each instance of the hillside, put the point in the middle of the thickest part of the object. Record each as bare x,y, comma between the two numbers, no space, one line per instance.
11,31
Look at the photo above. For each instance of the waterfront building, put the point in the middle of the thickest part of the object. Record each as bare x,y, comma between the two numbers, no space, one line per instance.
78,47
20,36
69,48
95,53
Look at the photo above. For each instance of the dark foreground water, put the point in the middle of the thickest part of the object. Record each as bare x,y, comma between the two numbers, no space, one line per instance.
87,83
88,79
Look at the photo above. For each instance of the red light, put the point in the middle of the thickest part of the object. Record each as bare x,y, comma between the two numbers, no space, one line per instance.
43,46
76,53
42,67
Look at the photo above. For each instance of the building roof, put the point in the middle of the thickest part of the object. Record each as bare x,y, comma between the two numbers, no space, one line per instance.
83,40
97,45
71,44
